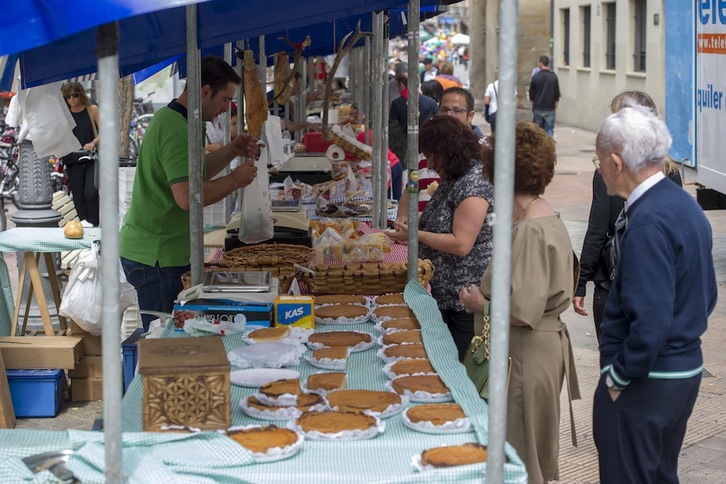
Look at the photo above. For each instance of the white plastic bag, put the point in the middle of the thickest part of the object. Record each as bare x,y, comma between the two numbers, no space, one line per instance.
82,296
255,222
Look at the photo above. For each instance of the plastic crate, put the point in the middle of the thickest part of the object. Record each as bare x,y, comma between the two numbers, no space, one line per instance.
131,357
36,393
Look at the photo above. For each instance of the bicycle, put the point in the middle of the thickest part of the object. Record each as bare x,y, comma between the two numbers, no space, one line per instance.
143,113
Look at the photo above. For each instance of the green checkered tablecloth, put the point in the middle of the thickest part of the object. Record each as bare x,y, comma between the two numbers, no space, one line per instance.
387,457
33,239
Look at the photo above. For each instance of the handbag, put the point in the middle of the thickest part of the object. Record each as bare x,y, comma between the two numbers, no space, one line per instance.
476,359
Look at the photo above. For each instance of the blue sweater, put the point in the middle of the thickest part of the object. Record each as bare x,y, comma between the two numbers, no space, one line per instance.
663,292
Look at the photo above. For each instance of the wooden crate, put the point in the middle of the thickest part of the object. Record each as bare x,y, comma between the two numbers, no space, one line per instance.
185,382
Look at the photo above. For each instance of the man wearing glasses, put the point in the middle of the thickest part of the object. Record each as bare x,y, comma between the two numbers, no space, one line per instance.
459,102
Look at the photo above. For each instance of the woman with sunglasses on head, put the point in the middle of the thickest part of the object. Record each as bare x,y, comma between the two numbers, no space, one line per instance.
79,167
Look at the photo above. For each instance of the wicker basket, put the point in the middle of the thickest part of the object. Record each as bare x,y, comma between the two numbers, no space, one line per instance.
278,259
368,279
346,142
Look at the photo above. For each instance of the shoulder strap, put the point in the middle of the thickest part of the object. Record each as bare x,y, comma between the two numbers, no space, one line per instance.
496,94
93,123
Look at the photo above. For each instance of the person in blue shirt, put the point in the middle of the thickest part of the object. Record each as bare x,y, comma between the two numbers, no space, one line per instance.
663,292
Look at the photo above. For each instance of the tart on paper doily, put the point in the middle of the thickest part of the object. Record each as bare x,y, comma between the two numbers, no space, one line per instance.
437,418
340,299
330,358
325,382
382,313
266,355
332,424
410,336
393,298
255,408
383,404
281,392
393,353
421,388
454,455
269,443
409,366
266,335
399,324
355,340
342,314
257,377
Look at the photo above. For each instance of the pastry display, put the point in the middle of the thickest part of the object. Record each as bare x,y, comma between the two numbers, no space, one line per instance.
402,337
304,402
382,313
361,400
341,313
340,338
394,298
405,351
454,455
411,366
436,413
266,335
333,422
262,439
400,324
339,299
325,382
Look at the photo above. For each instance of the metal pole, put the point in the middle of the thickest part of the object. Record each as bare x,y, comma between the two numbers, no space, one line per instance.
107,51
376,114
367,76
414,16
383,200
302,96
196,155
227,135
503,201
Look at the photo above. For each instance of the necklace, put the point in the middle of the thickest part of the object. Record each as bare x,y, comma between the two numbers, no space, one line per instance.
524,208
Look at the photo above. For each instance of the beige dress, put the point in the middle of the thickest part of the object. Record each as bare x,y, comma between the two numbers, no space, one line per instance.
543,265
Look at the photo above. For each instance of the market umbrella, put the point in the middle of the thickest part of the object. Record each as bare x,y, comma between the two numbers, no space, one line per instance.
460,39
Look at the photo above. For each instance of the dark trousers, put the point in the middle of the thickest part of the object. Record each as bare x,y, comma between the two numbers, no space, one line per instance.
85,193
461,327
157,287
493,121
639,436
599,297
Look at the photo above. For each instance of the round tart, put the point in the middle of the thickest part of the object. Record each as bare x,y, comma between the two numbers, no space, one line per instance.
360,400
436,413
400,324
332,422
334,353
390,312
405,351
325,382
339,299
266,335
281,387
454,455
340,338
411,366
342,312
262,439
402,337
419,383
304,402
395,298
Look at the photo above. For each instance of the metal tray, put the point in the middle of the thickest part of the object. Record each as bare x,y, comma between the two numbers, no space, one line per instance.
234,281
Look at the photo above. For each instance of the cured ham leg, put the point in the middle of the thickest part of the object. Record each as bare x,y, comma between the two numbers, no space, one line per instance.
255,98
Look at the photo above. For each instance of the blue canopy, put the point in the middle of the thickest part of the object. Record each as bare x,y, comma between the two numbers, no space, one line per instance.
145,40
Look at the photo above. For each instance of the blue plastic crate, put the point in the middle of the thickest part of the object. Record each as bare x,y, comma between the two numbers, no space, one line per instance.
130,354
36,393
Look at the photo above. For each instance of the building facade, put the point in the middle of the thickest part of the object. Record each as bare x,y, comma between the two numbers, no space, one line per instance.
603,48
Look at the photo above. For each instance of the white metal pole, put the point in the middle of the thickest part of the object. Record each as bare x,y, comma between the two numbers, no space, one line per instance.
383,86
376,114
414,9
196,155
501,260
227,135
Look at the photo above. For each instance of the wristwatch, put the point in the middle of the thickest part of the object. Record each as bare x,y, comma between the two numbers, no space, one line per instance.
611,385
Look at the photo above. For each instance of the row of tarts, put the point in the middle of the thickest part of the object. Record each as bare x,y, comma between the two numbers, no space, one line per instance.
321,407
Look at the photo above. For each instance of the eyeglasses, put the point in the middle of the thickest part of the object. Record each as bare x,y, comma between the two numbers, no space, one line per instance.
449,111
72,95
596,162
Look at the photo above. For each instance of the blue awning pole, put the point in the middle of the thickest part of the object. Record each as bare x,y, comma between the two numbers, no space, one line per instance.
196,154
107,50
414,16
501,261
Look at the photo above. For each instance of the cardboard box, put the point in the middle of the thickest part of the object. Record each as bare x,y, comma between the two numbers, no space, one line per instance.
295,311
92,345
257,313
185,382
36,393
41,352
86,389
88,367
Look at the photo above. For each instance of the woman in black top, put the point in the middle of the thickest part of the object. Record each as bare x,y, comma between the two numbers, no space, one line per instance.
81,172
604,211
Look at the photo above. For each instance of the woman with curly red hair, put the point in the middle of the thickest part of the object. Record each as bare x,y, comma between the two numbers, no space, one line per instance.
453,232
543,279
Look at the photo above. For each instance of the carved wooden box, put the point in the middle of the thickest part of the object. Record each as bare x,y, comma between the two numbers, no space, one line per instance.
185,382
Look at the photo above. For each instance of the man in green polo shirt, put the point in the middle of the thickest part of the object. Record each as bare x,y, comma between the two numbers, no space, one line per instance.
155,241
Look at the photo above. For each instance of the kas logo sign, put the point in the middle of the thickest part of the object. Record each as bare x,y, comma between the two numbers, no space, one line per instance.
294,313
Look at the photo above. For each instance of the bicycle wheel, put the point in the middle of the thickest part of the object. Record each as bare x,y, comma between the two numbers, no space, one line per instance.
133,148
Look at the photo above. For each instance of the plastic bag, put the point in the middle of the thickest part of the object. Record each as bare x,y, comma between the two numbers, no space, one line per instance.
82,296
255,221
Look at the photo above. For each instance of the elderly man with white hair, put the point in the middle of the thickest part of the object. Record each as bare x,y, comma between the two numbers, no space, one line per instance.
664,290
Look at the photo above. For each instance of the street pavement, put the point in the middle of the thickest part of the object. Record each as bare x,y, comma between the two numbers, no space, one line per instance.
703,457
